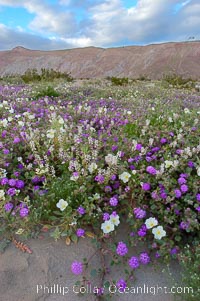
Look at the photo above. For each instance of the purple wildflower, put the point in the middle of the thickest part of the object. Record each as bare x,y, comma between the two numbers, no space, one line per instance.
11,191
3,135
77,267
99,291
16,173
4,181
116,185
179,151
133,262
157,255
163,195
127,189
177,212
198,208
154,195
142,231
20,166
174,251
146,186
8,206
198,197
113,177
108,189
121,249
184,188
114,148
6,151
155,149
16,140
113,201
130,160
182,181
35,180
19,184
106,216
163,140
151,170
191,164
80,232
138,147
121,285
178,193
139,213
12,182
184,225
23,212
184,175
81,210
144,258
99,179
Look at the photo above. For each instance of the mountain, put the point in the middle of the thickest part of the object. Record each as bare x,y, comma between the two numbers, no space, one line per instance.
153,61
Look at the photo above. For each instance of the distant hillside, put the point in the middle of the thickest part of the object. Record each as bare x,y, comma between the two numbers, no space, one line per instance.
152,61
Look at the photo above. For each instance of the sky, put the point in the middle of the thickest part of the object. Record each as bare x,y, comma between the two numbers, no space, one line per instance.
65,24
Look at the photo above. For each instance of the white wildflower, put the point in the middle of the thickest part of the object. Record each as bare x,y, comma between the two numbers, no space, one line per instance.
62,204
114,218
151,222
159,232
125,176
107,227
92,167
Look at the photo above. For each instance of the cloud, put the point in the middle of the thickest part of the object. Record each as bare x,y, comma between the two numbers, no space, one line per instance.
103,23
10,38
48,18
147,22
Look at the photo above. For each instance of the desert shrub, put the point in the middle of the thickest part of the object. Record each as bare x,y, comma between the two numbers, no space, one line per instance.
119,81
178,81
49,91
190,262
33,75
143,78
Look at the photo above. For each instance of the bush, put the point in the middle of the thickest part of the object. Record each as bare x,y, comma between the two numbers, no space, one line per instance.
178,81
33,75
190,262
117,81
49,91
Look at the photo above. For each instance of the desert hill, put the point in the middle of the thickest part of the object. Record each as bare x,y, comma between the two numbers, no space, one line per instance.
153,61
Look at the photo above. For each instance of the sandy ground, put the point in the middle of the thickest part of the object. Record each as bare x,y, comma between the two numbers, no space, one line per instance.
45,274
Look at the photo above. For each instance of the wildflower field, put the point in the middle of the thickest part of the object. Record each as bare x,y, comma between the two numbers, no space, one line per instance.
85,160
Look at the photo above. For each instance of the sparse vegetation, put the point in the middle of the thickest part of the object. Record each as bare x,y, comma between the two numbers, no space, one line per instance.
178,81
118,81
49,91
33,75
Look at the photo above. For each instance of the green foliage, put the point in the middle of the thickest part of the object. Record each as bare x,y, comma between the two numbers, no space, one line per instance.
49,91
190,261
143,78
32,75
178,81
119,81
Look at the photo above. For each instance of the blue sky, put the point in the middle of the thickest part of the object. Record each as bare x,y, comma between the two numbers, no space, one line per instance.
62,24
